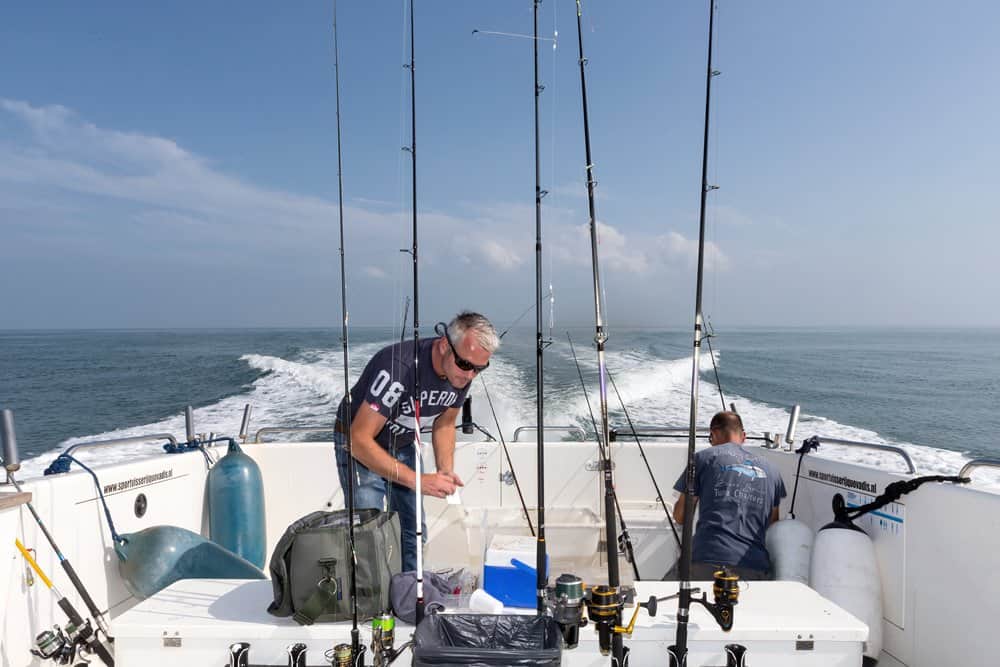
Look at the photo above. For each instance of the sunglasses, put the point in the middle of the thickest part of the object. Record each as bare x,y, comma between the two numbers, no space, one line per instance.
464,364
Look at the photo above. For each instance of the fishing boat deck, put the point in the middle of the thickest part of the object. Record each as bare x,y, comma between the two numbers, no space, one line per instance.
194,621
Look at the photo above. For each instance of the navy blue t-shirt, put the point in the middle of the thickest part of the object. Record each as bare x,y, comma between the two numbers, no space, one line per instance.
736,489
386,386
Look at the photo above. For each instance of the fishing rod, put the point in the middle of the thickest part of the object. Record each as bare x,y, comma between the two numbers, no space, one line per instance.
357,648
614,616
58,645
678,652
642,453
540,555
416,328
625,538
12,464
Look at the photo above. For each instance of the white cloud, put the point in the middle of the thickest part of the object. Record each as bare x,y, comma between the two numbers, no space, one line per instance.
129,194
499,255
675,246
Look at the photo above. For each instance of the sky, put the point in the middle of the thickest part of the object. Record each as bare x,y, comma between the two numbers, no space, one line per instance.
175,164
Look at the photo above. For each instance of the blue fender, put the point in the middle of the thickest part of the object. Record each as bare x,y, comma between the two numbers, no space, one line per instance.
156,557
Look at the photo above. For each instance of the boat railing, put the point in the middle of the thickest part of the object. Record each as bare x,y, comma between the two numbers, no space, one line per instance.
872,445
575,430
267,430
656,432
61,464
978,463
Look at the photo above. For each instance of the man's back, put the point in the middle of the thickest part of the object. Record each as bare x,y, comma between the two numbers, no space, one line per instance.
737,490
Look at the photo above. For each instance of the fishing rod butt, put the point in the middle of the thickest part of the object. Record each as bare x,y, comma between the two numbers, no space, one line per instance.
245,423
11,458
793,422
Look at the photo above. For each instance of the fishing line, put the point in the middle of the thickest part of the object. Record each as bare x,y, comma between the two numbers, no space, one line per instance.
642,452
510,464
605,460
710,334
521,316
513,34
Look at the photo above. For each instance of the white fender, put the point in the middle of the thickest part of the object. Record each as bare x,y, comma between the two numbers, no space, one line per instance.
789,544
844,570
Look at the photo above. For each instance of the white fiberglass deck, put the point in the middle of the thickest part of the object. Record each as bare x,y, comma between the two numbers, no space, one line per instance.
193,623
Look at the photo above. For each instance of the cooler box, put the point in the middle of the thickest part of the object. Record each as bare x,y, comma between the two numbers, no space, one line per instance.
509,573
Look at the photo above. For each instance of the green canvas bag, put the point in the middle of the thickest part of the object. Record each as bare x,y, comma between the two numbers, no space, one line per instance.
311,571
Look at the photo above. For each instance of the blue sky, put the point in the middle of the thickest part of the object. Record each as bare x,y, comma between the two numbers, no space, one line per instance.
175,164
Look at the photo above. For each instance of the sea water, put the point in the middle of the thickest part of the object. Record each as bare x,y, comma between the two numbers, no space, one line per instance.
935,392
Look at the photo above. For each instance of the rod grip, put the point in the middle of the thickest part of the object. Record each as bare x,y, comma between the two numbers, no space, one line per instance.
102,652
245,424
71,613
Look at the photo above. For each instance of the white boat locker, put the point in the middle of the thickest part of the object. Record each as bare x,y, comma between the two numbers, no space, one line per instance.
193,622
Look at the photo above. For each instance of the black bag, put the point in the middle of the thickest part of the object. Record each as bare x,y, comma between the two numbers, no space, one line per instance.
311,570
482,640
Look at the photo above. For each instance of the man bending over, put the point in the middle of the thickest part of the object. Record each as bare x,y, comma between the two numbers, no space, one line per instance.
382,420
738,492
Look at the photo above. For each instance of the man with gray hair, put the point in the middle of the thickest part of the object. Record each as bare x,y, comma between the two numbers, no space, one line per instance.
382,419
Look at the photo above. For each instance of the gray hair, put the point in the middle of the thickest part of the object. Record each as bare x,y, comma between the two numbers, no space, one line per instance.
481,328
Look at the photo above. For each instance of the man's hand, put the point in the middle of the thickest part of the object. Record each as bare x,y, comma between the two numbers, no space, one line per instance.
455,478
439,484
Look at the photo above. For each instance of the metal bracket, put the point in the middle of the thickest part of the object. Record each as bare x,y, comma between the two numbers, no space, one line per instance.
507,477
597,465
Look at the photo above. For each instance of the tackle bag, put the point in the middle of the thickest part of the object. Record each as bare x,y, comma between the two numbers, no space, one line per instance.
311,566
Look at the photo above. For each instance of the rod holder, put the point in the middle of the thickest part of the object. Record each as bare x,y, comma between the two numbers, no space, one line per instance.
468,427
245,424
189,423
11,459
793,421
239,653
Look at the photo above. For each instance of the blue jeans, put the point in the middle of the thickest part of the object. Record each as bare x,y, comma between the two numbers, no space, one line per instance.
371,492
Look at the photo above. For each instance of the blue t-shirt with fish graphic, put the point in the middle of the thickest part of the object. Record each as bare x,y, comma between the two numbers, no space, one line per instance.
736,489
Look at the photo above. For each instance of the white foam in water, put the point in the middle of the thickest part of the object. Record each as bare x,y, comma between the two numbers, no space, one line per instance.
305,392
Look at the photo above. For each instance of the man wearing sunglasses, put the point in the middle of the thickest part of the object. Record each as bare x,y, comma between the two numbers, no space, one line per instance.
382,421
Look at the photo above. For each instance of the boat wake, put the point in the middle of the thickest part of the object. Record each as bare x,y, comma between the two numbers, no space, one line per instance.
304,391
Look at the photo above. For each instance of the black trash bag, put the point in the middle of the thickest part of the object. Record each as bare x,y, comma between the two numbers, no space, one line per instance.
483,640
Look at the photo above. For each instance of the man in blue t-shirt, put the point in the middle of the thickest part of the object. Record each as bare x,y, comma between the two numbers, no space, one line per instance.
383,419
737,493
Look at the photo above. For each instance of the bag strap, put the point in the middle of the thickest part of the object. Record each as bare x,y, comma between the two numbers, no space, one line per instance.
327,593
